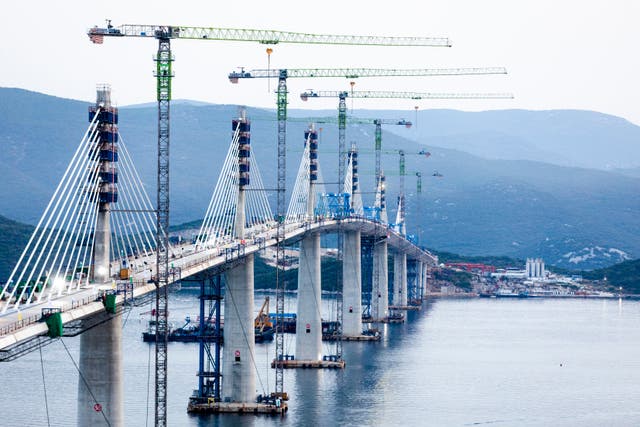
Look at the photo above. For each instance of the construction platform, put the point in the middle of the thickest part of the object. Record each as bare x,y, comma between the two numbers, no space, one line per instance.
310,364
405,307
212,407
363,337
390,319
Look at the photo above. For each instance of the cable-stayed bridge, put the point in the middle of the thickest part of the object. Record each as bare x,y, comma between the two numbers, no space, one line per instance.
94,251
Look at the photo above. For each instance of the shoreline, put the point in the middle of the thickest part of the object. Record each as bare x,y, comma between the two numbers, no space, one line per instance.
475,295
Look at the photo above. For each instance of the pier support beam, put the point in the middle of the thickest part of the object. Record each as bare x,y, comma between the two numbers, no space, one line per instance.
100,382
352,285
309,320
238,369
400,279
420,280
380,292
413,284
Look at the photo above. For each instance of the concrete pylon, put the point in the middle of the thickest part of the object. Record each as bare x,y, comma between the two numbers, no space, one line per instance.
309,320
380,287
100,383
352,285
238,356
238,369
101,374
400,279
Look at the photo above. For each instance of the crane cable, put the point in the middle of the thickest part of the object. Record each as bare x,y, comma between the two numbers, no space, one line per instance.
44,385
146,422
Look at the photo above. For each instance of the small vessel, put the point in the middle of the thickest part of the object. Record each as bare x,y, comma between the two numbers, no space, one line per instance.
510,293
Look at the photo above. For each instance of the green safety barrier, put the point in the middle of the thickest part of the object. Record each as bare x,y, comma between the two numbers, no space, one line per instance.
54,323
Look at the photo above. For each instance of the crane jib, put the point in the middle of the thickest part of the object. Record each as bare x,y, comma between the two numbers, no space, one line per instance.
267,37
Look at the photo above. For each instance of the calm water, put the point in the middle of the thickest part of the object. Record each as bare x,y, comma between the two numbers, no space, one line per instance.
456,363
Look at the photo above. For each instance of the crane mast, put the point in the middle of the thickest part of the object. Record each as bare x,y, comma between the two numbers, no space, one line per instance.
164,34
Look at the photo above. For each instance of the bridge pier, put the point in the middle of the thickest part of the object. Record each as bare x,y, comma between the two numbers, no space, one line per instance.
238,356
380,291
399,279
352,285
419,280
425,270
101,376
309,320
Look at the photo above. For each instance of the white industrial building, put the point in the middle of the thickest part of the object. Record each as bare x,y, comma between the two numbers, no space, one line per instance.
535,268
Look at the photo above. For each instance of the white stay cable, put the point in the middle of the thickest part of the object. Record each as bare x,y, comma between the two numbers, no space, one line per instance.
136,209
49,228
91,175
207,224
78,153
145,203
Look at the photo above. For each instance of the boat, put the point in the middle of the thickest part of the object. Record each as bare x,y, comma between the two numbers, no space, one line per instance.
509,293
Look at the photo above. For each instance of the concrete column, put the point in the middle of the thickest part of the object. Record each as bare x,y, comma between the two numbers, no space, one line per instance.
380,291
419,279
425,283
240,215
309,320
102,246
400,279
238,369
351,285
101,368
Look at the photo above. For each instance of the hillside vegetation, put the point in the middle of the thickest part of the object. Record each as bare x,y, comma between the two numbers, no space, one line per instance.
13,238
626,274
526,204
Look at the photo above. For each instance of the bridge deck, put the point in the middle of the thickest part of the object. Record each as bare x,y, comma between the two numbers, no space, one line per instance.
17,326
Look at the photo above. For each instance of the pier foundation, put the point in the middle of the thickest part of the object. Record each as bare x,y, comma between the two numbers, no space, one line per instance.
238,356
309,320
380,291
352,285
100,385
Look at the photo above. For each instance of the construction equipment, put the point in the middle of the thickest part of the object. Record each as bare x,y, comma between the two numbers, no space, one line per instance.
164,59
262,321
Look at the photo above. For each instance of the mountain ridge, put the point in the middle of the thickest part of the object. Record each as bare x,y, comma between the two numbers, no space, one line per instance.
519,208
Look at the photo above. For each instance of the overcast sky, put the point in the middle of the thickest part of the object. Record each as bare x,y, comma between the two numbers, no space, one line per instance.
559,54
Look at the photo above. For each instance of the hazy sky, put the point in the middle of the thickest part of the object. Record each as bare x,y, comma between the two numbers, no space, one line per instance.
559,54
